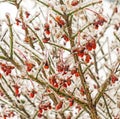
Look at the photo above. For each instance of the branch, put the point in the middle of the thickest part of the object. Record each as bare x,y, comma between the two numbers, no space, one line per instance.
101,91
11,36
50,6
65,95
81,8
57,45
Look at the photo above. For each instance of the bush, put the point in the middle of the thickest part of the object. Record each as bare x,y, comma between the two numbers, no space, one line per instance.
60,59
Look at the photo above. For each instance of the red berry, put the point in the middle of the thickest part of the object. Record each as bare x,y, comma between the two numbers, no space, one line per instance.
37,28
48,90
99,21
27,14
29,65
71,102
87,58
39,115
89,46
32,95
95,86
53,81
80,52
59,21
55,84
45,40
0,75
5,117
49,106
16,89
77,74
11,114
60,67
46,66
17,21
68,81
65,37
82,92
27,39
8,72
64,85
73,71
40,110
93,43
46,26
59,105
47,32
69,117
74,2
113,78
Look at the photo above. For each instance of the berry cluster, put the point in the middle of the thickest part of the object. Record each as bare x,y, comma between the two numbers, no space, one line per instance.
29,65
53,81
99,22
16,90
62,67
43,107
74,72
8,114
65,83
84,50
60,82
59,21
6,68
